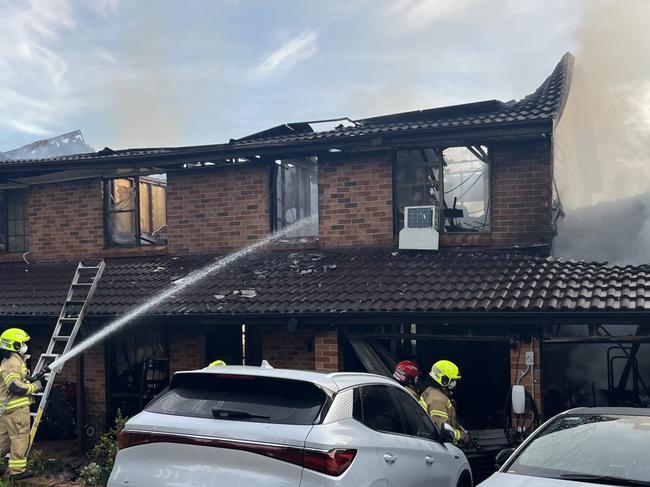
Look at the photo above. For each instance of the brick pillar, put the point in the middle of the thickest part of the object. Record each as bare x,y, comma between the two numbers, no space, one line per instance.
327,351
186,349
94,386
532,381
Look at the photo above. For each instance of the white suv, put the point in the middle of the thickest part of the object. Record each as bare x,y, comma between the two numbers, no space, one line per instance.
263,427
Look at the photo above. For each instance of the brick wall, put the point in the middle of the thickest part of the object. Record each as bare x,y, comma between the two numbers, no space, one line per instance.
186,348
531,382
95,386
356,203
521,193
328,354
213,210
66,220
289,350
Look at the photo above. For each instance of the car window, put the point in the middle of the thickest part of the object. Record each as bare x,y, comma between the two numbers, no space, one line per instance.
241,398
417,422
379,410
590,444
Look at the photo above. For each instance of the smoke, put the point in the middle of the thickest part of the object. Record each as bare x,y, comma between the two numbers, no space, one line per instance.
147,107
602,146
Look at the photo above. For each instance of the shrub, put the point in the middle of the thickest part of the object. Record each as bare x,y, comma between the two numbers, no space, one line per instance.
91,474
105,450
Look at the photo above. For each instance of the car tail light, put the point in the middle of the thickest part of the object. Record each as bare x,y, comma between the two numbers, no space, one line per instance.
333,462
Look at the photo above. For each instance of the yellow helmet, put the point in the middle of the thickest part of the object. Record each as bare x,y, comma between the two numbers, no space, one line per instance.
445,373
217,362
13,338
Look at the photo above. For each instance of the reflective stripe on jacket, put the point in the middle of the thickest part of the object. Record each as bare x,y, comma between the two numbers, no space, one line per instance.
15,391
442,410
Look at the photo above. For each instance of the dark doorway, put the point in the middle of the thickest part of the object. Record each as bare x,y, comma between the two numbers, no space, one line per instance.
138,369
224,342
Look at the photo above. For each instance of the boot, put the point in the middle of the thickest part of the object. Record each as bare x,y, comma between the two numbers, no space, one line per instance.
27,474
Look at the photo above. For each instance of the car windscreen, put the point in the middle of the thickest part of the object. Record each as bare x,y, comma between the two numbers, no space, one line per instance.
607,446
241,398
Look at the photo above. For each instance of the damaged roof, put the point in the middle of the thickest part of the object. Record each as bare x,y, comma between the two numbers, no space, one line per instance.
342,281
542,106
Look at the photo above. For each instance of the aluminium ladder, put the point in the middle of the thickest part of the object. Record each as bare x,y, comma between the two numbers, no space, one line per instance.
72,314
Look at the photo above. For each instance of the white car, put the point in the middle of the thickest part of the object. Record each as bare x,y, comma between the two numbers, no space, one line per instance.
264,427
581,447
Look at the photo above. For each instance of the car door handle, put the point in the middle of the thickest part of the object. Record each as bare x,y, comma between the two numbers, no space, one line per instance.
429,460
388,458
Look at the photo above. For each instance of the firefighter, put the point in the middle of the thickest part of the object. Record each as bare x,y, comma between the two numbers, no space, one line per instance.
407,373
436,399
15,398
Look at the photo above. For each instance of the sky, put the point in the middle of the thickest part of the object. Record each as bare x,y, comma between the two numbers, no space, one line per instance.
164,73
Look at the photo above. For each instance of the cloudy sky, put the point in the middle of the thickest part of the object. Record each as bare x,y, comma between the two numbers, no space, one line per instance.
160,72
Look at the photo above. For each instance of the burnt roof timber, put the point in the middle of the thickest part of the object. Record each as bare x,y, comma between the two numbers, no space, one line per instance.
178,156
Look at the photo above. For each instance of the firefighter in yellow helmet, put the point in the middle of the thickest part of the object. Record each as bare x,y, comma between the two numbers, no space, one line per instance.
15,398
216,363
436,399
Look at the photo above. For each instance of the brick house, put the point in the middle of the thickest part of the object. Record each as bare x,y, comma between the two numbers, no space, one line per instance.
337,294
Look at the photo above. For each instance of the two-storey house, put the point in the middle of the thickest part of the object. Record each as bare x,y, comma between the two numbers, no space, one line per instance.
338,293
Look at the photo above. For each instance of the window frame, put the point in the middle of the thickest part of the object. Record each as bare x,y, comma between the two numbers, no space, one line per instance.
441,178
273,195
4,230
360,391
108,242
395,392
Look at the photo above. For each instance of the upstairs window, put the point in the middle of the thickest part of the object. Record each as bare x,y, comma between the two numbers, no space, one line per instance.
466,189
455,180
135,211
295,194
14,229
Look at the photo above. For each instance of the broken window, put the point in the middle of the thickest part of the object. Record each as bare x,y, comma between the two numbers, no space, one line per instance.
296,195
136,210
466,186
417,180
14,228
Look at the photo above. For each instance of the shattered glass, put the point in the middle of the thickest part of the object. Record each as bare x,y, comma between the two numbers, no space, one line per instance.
296,187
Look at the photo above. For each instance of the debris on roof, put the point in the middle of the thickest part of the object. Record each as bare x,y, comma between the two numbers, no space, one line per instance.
68,144
362,281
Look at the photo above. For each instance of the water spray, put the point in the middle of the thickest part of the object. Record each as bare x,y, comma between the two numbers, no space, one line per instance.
190,280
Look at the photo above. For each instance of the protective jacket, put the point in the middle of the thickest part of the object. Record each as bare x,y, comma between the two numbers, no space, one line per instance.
442,410
15,391
16,396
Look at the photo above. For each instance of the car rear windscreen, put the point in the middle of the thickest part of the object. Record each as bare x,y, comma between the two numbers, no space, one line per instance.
241,398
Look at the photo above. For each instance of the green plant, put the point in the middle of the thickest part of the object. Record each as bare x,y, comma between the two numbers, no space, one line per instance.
37,463
106,448
90,474
5,483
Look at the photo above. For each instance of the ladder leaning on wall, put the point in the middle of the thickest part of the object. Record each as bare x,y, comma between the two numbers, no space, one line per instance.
83,286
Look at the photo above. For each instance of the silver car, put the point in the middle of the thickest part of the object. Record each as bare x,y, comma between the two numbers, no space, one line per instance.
254,427
582,447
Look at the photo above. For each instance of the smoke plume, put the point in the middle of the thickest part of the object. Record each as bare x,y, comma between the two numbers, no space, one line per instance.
603,139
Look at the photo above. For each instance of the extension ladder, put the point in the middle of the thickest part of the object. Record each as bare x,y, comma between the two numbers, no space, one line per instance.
67,326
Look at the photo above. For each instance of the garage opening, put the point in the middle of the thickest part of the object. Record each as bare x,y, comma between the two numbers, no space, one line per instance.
483,356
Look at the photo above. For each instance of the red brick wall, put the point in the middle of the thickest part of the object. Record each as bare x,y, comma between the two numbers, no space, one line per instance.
521,193
186,348
289,350
66,220
213,210
518,351
328,355
95,386
356,203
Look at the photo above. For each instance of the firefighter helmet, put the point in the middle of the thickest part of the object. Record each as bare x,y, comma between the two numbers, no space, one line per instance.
406,372
13,339
445,373
217,362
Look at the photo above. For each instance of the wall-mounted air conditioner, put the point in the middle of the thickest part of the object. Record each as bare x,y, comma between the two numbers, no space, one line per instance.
420,228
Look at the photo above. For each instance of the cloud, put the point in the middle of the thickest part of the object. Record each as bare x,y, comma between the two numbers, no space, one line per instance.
411,15
293,51
28,129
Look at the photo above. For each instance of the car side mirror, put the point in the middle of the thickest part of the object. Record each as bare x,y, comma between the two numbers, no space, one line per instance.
502,457
447,433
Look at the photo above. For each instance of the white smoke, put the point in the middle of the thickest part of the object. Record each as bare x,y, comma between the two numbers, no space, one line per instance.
603,142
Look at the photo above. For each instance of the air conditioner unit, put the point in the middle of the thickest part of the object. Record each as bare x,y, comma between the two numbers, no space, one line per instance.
420,230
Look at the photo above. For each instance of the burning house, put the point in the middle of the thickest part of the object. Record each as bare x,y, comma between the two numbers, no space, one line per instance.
430,237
